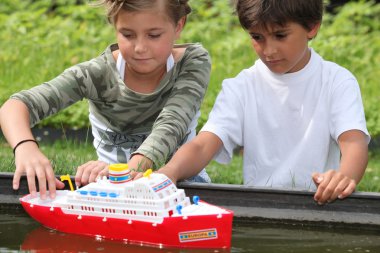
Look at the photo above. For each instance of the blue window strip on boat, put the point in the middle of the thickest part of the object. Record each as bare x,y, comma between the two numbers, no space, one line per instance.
117,179
101,194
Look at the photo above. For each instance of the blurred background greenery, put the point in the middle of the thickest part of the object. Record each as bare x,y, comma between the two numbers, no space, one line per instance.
39,39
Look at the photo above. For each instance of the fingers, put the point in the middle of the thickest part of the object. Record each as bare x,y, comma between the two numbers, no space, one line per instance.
51,181
89,171
40,173
59,184
46,178
137,175
317,178
350,188
31,178
16,179
34,164
332,185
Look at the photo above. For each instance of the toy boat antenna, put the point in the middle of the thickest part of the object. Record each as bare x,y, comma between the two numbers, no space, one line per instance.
67,178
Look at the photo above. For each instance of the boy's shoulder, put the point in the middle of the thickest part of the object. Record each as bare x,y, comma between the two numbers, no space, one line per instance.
241,82
331,69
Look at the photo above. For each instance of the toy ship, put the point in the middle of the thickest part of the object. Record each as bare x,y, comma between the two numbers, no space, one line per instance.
148,211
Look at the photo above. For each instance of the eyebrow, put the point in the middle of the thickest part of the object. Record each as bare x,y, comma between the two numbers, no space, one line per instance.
123,29
279,30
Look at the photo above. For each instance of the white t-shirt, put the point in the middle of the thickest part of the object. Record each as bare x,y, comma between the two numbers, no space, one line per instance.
288,124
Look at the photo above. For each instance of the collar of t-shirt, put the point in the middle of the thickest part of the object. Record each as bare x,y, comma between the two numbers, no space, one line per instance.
295,77
120,64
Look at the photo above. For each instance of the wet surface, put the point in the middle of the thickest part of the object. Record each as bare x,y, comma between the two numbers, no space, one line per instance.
20,233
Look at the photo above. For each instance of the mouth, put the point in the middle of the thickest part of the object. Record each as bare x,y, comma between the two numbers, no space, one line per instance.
273,62
141,59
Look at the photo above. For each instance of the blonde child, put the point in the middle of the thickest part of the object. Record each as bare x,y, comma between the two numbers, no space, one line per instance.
144,96
299,118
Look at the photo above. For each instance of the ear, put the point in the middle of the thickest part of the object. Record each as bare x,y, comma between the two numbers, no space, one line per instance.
179,27
313,31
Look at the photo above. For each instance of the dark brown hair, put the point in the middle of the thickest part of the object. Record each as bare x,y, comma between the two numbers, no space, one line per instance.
266,13
175,9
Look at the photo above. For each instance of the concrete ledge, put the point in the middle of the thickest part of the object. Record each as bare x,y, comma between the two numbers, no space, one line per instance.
360,210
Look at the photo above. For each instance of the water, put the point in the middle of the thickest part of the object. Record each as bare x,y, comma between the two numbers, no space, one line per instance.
19,233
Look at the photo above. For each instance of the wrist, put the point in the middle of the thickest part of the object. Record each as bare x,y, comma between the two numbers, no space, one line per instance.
169,172
22,142
139,162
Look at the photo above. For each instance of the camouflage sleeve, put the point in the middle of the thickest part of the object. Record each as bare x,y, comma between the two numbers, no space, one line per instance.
171,126
72,85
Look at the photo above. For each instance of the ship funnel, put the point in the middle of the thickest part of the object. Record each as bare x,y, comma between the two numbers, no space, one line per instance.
119,173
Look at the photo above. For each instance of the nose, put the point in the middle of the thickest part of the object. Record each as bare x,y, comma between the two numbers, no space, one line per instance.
140,45
270,49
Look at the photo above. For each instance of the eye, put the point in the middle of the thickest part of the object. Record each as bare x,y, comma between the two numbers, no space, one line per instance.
280,36
256,37
127,35
154,36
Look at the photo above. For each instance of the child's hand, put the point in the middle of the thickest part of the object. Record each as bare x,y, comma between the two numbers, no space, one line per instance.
31,161
138,164
332,185
137,175
90,171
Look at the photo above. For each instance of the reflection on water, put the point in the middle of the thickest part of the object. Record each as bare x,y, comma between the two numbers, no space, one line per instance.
296,239
47,240
19,233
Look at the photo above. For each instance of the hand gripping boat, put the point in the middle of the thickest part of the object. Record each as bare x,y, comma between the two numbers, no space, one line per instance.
147,211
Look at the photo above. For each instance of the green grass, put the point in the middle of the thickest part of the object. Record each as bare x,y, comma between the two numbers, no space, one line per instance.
67,155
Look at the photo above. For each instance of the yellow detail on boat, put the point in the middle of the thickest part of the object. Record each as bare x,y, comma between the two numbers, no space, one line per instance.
67,178
118,166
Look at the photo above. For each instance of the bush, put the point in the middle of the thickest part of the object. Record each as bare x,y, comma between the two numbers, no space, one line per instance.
39,39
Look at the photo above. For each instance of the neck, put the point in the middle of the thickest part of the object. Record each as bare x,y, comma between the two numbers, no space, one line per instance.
144,82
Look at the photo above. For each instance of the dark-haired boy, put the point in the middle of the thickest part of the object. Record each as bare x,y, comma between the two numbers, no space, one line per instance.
299,118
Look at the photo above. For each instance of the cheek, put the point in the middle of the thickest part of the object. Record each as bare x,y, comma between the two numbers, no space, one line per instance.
256,46
123,43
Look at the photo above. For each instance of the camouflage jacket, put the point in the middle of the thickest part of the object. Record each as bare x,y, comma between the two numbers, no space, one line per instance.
159,121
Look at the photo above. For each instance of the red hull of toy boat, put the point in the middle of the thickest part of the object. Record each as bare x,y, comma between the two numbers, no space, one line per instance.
201,231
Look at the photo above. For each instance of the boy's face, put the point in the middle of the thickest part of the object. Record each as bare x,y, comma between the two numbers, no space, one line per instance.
283,49
146,39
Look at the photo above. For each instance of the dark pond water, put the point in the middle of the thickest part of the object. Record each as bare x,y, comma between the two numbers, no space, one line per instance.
19,233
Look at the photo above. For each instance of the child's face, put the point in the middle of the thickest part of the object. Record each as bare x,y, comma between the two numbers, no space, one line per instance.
283,49
146,39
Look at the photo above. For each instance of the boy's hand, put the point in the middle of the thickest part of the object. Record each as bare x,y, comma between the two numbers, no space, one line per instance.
30,161
90,171
332,185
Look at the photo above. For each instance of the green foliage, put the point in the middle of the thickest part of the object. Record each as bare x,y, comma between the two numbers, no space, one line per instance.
213,24
38,44
39,39
371,179
351,39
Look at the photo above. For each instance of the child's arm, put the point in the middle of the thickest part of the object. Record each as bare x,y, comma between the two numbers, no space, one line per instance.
29,160
192,157
341,183
184,102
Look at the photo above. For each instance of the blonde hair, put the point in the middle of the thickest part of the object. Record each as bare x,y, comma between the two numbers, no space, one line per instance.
175,9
